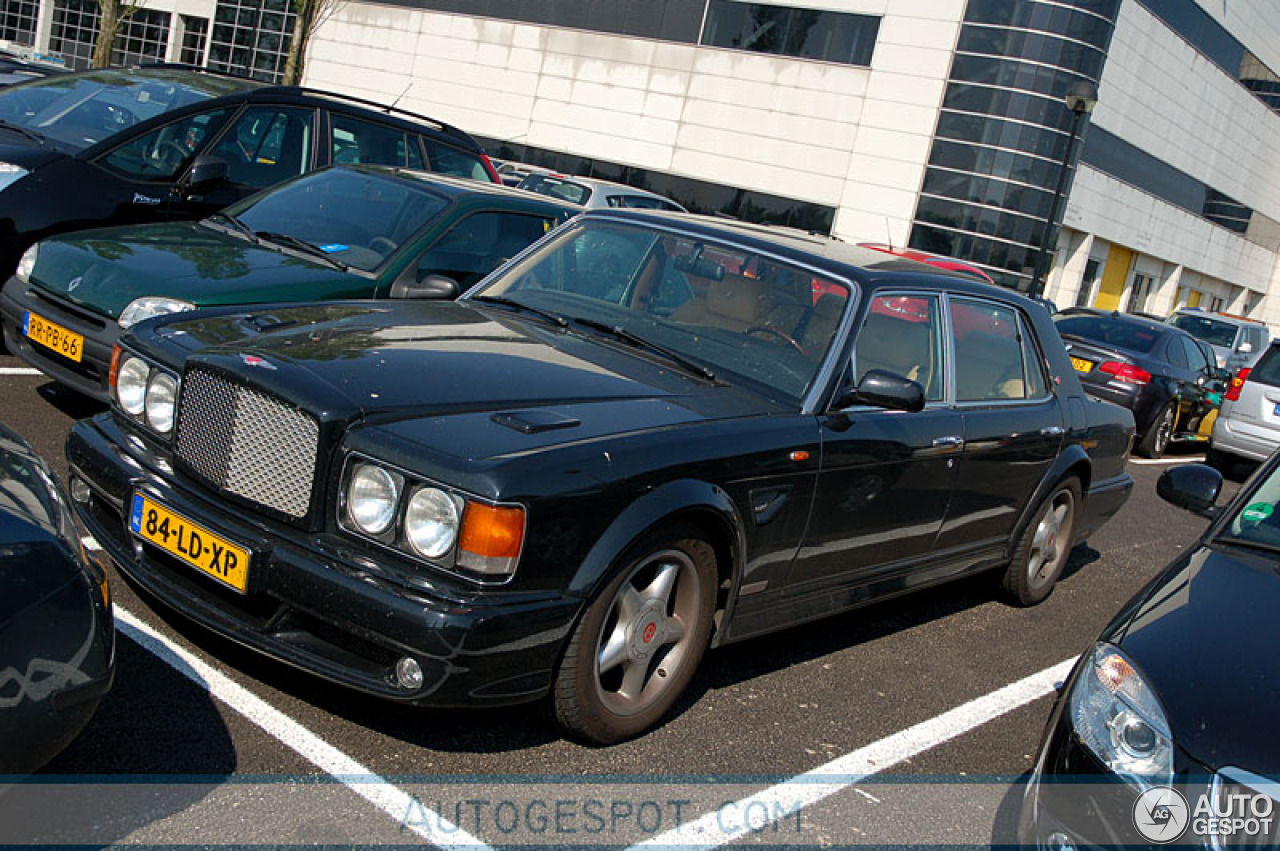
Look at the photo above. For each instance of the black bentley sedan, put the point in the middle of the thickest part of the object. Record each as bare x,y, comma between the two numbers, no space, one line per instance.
1164,732
646,435
1167,377
57,634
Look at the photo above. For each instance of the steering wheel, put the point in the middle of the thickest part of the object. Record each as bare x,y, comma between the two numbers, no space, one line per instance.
781,335
378,243
169,155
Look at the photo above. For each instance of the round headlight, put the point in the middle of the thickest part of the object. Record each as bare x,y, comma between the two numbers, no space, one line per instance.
371,499
162,397
27,264
431,522
131,385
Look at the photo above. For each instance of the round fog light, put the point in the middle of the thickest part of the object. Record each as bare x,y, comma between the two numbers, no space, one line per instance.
409,673
80,491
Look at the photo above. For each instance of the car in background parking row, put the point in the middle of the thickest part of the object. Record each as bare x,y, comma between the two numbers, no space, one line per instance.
596,194
1237,342
1161,373
125,146
340,232
1248,423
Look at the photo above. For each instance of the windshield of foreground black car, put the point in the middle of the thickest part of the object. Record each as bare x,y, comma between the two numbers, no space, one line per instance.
351,217
721,307
1258,522
80,111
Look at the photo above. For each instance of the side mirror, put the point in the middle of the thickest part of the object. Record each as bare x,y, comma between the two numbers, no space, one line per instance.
883,389
1245,347
431,286
207,172
1194,487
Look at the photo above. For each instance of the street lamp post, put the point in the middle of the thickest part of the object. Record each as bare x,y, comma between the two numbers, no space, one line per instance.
1081,98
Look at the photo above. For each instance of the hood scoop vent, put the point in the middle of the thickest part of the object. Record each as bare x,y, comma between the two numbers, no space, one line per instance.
535,421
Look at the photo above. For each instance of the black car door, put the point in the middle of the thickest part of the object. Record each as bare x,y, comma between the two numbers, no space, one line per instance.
1184,382
1013,423
1194,401
886,477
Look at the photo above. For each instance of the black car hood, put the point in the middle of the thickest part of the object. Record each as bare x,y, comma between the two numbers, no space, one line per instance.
466,377
1207,638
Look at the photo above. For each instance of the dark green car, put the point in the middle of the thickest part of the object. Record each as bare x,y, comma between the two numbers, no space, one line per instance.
340,233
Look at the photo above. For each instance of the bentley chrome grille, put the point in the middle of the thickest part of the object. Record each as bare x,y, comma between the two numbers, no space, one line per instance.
247,442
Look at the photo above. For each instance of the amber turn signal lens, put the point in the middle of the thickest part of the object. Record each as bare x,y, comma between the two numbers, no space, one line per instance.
114,369
490,532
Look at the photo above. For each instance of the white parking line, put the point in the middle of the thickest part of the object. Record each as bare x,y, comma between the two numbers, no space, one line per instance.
18,370
1156,462
383,795
843,772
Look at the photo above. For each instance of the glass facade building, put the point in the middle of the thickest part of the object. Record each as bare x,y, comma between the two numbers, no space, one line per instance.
1004,129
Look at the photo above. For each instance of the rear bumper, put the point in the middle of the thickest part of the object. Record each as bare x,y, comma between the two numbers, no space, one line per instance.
88,376
319,602
1248,442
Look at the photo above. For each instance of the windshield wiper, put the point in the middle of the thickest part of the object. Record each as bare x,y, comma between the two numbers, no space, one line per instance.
303,246
23,131
619,333
236,225
553,318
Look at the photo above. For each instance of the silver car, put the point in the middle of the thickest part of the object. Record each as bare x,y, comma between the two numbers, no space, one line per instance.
1248,424
597,194
1237,342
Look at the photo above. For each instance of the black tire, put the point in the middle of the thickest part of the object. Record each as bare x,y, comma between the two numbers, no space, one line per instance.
1158,434
653,619
1044,548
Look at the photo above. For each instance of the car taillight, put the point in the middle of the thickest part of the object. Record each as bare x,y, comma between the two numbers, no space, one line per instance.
1126,372
1233,392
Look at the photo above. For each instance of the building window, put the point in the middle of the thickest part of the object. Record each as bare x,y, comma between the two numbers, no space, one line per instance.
790,31
1138,294
251,37
195,32
18,21
142,37
1092,270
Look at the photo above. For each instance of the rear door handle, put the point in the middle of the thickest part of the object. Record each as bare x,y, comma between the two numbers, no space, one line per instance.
950,440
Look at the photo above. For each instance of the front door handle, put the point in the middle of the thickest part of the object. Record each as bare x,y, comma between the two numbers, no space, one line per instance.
950,440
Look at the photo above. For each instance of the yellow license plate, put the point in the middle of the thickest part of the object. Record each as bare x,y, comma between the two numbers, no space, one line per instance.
1082,365
191,542
51,335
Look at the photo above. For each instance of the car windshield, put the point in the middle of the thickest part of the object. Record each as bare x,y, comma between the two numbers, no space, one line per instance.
1111,332
80,110
356,217
1212,331
557,187
730,311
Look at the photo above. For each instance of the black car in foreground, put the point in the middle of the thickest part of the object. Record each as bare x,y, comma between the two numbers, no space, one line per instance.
57,634
1165,731
647,434
1164,375
127,146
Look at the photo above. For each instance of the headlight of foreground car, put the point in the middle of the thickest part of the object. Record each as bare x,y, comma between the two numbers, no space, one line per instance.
1119,718
431,523
27,264
147,394
11,174
149,306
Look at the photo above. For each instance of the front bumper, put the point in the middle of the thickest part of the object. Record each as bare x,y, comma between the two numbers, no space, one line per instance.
319,602
87,376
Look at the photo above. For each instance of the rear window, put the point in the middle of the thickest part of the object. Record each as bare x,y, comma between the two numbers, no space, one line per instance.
556,187
1215,332
1267,370
1112,332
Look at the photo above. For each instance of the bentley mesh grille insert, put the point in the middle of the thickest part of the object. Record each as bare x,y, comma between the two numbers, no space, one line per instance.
247,443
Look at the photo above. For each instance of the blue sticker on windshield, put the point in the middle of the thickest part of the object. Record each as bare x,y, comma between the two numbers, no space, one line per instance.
334,246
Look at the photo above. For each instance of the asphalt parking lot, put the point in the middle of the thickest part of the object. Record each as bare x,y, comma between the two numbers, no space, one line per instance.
906,722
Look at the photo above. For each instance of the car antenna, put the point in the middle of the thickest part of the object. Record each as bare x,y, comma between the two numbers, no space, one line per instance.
401,95
888,231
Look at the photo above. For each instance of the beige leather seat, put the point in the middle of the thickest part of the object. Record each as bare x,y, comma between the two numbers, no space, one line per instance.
735,303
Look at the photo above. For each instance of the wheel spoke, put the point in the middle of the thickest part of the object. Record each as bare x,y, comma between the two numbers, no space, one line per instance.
662,585
673,631
630,601
614,651
633,679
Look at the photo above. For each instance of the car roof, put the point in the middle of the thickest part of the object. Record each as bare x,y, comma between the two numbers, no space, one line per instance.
1229,318
462,187
865,265
1143,321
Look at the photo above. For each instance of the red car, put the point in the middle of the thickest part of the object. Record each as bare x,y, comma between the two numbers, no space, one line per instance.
941,262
